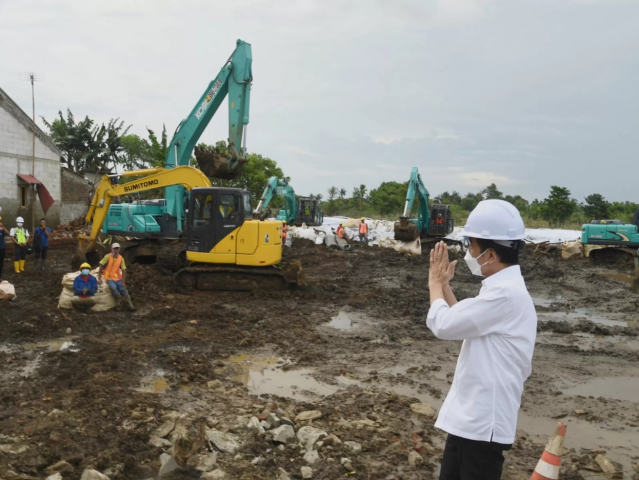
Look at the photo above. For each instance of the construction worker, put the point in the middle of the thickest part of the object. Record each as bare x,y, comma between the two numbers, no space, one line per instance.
3,245
284,232
363,231
341,231
114,271
84,288
439,220
20,237
41,243
498,329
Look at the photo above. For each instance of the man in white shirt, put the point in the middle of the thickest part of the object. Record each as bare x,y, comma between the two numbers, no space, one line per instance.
498,329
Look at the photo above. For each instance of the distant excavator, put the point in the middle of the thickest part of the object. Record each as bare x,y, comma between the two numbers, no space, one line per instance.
434,223
296,211
624,237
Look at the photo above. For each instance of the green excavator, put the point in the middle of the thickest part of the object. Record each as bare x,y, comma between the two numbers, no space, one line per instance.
434,223
623,238
296,211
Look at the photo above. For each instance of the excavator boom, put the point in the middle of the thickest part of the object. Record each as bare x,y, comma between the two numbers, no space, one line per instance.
281,187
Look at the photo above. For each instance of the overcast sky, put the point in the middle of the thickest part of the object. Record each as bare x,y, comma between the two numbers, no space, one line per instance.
523,93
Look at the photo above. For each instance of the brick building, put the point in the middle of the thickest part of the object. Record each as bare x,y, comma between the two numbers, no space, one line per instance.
19,178
75,196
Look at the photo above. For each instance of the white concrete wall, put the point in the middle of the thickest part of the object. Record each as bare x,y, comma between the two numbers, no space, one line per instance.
16,147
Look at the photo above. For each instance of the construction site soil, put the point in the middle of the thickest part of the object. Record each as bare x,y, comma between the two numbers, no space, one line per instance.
105,391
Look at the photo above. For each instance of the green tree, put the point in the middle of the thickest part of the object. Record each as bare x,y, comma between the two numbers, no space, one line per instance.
558,207
470,201
519,202
158,149
596,207
136,152
389,197
86,145
491,192
359,193
342,193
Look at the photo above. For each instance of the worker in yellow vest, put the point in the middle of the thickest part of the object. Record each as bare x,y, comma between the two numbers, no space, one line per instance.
20,237
114,271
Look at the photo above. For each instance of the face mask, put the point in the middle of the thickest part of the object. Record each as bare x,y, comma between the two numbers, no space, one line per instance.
85,271
20,225
473,263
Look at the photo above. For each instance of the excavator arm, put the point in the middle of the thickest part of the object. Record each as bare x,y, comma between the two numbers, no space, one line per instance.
281,187
234,80
187,177
405,229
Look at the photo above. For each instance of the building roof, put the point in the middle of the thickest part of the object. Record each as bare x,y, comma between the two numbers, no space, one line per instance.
16,112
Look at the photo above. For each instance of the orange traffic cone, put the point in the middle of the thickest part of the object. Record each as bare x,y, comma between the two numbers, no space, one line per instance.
548,466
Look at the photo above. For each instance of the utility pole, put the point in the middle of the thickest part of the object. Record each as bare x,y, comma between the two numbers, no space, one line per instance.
33,77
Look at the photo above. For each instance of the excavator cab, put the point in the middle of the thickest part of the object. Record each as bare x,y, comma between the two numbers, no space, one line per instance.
441,221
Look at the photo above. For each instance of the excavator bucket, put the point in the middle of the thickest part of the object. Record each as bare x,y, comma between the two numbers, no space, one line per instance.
215,165
405,230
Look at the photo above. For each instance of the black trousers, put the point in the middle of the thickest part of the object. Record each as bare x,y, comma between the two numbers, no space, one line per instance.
19,253
41,253
472,459
2,250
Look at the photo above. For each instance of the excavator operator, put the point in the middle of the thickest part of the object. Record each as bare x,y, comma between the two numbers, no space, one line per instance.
439,220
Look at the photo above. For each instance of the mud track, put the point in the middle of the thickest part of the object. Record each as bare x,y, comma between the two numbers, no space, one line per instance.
92,389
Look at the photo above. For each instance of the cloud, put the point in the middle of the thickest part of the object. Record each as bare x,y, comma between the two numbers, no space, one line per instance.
298,151
482,179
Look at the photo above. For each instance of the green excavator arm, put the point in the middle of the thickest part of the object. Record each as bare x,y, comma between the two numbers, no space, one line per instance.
234,81
408,229
280,187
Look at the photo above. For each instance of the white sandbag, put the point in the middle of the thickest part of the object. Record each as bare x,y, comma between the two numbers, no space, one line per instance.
103,299
413,248
7,291
388,242
352,223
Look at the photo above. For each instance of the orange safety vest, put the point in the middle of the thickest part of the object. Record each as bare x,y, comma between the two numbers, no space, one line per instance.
284,230
340,232
112,270
363,228
439,221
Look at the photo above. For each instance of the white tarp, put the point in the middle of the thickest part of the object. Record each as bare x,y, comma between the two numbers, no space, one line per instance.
103,299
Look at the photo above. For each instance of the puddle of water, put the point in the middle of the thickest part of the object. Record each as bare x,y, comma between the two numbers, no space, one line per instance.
54,345
619,388
581,313
546,302
154,383
342,321
631,280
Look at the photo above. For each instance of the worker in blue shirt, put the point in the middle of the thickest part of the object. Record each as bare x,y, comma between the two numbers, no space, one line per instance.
85,286
41,243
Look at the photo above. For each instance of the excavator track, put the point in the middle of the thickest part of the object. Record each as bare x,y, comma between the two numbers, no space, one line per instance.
238,279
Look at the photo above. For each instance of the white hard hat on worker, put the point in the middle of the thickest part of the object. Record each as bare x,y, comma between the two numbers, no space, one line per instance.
494,220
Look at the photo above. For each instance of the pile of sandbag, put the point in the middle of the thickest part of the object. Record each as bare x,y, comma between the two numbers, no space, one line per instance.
103,299
7,291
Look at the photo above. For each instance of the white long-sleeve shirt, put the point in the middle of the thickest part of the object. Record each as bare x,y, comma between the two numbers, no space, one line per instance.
498,328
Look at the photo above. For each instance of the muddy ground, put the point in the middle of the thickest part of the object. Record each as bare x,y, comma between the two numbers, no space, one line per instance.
92,390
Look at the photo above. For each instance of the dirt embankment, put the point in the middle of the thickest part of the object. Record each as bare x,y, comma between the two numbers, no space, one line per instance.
92,390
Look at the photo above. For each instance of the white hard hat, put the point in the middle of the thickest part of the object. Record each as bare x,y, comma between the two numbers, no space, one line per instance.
115,245
19,220
495,220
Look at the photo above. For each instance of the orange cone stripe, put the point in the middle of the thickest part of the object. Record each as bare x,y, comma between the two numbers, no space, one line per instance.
550,458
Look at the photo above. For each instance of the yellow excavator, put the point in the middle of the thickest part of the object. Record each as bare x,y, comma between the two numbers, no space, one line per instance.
224,247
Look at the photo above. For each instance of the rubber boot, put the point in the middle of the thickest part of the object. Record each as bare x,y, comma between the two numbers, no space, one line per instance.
37,261
16,266
120,306
129,303
22,262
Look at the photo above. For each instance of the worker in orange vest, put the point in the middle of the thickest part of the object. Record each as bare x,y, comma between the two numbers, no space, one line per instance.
114,271
284,232
363,231
439,220
341,231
